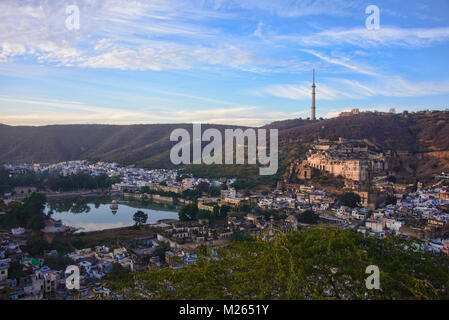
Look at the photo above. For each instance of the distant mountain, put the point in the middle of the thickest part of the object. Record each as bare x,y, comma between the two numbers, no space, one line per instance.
423,139
146,145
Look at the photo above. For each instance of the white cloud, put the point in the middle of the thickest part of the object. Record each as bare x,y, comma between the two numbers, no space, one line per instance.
303,91
72,112
343,62
362,37
338,88
127,35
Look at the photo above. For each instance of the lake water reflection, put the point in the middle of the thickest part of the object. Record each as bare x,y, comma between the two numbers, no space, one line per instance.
95,213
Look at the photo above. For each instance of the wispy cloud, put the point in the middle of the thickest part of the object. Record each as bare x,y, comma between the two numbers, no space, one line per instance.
128,35
296,8
362,37
343,62
340,88
262,44
72,112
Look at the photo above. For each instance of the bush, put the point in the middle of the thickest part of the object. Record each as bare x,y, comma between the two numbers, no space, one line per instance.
309,217
350,199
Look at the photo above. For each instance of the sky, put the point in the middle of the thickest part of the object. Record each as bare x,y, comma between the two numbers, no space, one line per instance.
235,62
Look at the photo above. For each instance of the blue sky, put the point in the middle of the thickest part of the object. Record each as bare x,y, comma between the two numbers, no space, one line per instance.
246,62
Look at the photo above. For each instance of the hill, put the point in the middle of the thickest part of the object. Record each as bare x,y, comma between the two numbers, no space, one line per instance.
145,145
421,138
316,263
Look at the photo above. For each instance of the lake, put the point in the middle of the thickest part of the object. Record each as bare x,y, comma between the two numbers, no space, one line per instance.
95,213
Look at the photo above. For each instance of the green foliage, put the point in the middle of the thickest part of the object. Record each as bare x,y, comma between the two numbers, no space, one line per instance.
117,272
5,181
79,243
316,263
391,179
190,194
36,246
80,181
245,208
36,222
188,212
145,190
242,184
309,217
161,249
391,199
223,211
350,199
15,270
240,236
214,191
58,262
140,217
203,187
30,214
62,247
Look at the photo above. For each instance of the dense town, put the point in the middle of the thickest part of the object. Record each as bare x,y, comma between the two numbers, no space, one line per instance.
214,212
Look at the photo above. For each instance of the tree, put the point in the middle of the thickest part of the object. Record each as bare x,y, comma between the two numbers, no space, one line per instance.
309,217
140,217
203,187
391,199
145,189
58,262
350,199
224,210
5,181
36,246
214,191
188,212
391,179
15,270
30,214
117,272
37,222
316,263
160,251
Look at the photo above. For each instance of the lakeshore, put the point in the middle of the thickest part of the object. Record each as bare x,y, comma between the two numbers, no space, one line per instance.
95,213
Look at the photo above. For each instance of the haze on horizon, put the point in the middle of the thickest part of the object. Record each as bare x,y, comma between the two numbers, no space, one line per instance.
246,62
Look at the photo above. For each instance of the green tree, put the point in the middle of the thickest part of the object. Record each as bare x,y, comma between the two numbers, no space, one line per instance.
309,217
15,270
58,262
140,218
203,187
117,272
224,210
145,190
391,199
188,212
36,222
214,191
350,199
317,263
